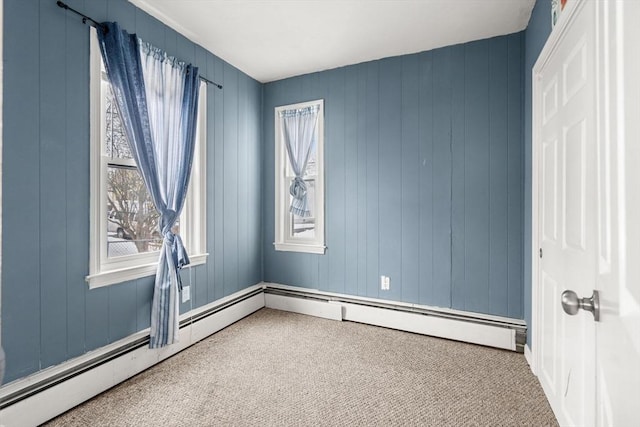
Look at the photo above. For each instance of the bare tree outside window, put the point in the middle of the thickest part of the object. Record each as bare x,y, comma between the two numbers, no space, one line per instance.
131,215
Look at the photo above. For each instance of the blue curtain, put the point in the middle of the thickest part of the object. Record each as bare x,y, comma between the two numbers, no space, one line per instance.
300,137
158,101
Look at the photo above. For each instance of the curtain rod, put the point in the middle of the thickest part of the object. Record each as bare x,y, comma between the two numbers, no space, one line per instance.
104,28
206,80
85,18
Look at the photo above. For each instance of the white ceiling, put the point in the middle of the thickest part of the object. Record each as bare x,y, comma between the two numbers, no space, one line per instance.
274,39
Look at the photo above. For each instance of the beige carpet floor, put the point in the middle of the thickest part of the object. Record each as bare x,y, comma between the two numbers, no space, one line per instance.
279,368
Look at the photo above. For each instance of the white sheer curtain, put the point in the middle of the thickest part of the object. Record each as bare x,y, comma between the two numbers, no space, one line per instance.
300,138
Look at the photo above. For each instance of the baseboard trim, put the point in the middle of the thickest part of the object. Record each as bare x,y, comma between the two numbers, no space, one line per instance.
52,391
458,330
529,357
48,393
476,328
303,306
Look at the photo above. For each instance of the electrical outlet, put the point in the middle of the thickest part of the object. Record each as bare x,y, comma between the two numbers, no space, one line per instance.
385,282
186,294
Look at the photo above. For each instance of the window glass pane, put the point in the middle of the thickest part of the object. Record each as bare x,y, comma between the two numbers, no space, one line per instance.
132,220
116,145
305,228
312,169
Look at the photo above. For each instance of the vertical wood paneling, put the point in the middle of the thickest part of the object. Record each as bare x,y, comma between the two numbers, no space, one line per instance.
498,178
185,50
516,200
53,191
431,147
476,166
255,193
268,193
95,9
186,275
315,264
361,218
372,118
410,179
212,128
335,181
351,181
321,85
144,296
458,134
149,29
77,221
97,318
199,294
48,313
123,313
218,180
20,205
427,164
390,183
124,13
243,185
230,190
268,170
442,176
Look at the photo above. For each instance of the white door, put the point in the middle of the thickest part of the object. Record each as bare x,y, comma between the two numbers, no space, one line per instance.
565,114
587,142
618,331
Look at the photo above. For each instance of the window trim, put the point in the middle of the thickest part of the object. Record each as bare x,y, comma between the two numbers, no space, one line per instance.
282,241
105,271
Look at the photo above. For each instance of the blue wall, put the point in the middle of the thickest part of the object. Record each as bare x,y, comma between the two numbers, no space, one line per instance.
428,180
535,37
424,178
48,313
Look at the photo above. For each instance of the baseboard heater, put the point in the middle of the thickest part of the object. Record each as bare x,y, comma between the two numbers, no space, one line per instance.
48,393
494,331
106,357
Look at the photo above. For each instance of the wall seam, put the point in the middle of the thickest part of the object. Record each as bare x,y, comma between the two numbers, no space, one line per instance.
451,284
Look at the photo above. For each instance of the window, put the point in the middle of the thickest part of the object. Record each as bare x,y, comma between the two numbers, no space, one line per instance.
125,240
300,233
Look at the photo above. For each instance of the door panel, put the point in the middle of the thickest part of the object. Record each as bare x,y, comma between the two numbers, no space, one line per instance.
574,71
573,217
550,329
550,185
567,232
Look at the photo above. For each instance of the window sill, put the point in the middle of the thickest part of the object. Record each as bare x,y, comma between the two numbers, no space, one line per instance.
119,275
300,247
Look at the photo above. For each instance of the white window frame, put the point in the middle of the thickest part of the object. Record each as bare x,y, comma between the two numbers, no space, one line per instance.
284,240
103,270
